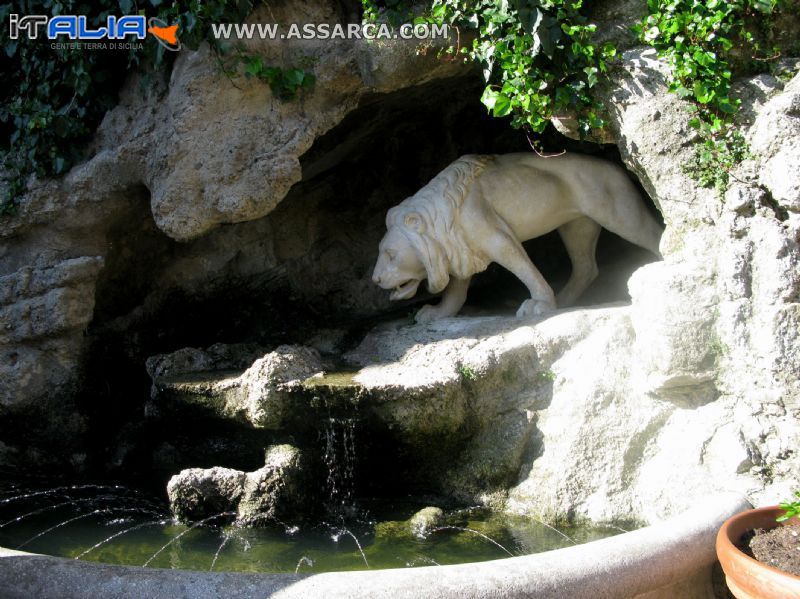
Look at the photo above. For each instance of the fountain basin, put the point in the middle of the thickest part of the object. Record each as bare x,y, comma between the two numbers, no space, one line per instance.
666,560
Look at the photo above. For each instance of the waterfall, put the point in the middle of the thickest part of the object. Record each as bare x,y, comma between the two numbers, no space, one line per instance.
340,458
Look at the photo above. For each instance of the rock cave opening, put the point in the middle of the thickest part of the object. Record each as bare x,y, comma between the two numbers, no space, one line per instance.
300,275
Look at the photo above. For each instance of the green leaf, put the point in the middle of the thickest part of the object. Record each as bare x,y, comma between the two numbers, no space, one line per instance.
502,106
531,19
702,93
591,76
294,77
651,34
489,97
190,22
254,66
488,66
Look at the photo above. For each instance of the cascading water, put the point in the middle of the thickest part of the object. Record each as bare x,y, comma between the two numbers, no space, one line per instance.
339,456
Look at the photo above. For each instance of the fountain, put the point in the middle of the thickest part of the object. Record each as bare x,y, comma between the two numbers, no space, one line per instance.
382,546
331,510
621,565
128,528
339,457
347,530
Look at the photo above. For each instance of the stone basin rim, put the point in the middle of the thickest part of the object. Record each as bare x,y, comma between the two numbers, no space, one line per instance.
672,558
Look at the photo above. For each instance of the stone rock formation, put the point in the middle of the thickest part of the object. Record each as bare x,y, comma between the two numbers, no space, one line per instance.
196,493
425,521
625,411
277,490
258,223
219,356
260,396
134,233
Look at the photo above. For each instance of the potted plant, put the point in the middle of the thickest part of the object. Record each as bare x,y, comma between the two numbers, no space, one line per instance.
738,547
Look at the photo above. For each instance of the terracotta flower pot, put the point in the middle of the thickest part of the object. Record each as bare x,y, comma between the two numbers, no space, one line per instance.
748,578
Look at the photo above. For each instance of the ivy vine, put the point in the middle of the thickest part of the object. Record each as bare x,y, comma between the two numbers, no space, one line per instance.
704,41
538,56
284,83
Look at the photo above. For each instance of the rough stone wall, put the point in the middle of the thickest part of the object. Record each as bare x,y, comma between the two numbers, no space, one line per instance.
203,152
717,320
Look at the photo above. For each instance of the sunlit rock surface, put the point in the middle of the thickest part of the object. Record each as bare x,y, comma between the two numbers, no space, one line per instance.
553,418
425,521
253,498
261,395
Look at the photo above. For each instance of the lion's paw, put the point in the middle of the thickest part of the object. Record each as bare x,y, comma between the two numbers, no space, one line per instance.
428,313
534,307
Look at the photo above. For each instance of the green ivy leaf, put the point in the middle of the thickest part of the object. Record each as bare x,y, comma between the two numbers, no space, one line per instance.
294,77
254,66
531,19
489,97
702,92
502,106
591,75
309,80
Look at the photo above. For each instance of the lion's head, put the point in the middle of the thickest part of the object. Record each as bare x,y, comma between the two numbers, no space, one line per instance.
406,256
398,267
424,238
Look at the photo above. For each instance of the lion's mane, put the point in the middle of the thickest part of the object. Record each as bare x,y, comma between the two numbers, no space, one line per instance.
441,242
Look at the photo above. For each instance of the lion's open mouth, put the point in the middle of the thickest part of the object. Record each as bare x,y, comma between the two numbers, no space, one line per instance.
405,290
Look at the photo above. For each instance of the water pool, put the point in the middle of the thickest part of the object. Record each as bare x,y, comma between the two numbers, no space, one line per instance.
117,525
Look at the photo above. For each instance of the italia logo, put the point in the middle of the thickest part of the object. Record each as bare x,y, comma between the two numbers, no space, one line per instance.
75,27
167,36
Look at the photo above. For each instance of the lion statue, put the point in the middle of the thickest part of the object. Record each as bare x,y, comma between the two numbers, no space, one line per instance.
480,209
